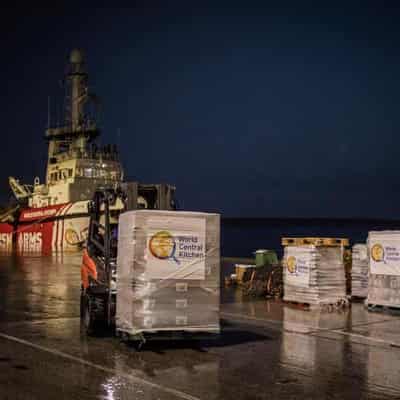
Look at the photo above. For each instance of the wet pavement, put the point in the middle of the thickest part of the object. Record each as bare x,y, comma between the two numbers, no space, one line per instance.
266,350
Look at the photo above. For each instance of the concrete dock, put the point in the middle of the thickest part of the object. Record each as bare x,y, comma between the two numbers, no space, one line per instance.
266,350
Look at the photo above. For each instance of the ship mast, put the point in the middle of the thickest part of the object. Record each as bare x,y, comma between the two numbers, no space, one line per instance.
79,128
76,166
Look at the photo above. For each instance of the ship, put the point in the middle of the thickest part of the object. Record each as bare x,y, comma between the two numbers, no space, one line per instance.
53,216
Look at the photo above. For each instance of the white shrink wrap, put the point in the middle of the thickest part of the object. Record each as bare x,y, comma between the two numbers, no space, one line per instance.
359,271
314,274
384,268
168,272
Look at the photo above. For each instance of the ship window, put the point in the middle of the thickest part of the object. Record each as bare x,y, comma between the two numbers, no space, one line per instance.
88,172
70,172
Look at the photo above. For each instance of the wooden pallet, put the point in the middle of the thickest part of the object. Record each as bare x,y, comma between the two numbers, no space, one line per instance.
299,305
340,305
358,299
244,272
380,308
137,341
265,281
315,241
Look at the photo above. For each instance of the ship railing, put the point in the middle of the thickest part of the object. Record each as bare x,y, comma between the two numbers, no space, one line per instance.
90,155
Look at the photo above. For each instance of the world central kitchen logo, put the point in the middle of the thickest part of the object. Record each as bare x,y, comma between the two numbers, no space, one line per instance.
385,254
165,246
378,253
291,264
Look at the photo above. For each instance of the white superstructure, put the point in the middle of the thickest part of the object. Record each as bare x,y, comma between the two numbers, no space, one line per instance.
76,165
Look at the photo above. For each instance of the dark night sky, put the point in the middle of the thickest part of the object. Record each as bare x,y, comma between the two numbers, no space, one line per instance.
274,111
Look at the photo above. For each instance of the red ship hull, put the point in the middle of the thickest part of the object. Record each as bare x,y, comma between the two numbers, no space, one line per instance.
45,230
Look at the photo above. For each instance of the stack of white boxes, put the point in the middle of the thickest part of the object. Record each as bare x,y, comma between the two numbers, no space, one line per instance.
314,274
168,272
384,268
359,271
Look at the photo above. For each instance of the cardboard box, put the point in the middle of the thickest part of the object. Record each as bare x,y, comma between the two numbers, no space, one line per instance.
168,271
384,268
314,274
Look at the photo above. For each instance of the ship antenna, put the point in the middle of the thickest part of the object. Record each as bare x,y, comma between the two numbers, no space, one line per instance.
118,137
48,113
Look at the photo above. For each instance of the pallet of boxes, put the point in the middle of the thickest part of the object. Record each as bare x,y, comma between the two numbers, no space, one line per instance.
313,272
168,273
359,272
384,271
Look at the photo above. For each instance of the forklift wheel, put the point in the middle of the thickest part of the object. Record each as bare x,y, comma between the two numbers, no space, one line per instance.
82,304
134,341
93,315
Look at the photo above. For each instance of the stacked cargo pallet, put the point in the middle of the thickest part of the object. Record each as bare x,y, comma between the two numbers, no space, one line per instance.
168,272
313,271
384,269
359,271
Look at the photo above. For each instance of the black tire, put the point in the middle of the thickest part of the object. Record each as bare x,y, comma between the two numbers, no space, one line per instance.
135,342
82,304
94,315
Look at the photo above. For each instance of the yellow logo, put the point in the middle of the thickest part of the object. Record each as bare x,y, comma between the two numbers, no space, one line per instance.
291,264
162,245
377,252
71,237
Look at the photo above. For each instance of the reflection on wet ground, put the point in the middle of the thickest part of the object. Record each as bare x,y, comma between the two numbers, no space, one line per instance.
266,351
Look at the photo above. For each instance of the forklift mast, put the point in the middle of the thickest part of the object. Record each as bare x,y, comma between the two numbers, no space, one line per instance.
99,269
109,202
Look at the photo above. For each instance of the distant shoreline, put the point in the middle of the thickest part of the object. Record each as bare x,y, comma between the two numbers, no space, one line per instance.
306,221
242,236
